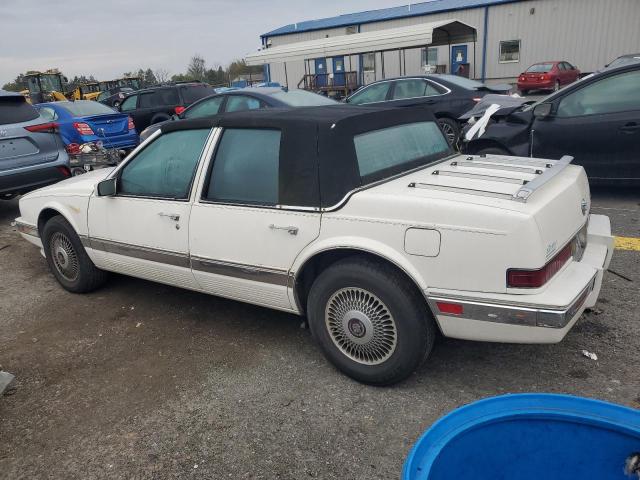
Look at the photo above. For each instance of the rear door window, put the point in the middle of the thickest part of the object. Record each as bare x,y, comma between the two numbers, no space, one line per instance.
413,88
246,168
15,109
192,94
48,113
373,93
238,103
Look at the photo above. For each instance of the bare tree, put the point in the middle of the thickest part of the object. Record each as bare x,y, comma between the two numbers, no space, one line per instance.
197,68
162,75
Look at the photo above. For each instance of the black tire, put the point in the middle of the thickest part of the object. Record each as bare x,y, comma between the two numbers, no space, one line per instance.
451,130
67,258
492,151
556,86
394,305
524,93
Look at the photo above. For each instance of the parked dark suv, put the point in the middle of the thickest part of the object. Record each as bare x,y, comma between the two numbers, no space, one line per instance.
31,151
157,104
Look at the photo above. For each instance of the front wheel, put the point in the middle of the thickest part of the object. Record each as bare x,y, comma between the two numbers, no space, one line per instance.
450,129
370,321
67,258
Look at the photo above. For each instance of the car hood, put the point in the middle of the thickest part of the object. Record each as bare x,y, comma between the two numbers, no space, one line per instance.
81,185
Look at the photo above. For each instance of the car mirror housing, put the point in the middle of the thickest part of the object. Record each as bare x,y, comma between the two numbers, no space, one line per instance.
107,188
542,110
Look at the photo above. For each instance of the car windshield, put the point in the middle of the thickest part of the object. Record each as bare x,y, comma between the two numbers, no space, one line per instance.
302,98
389,151
540,68
459,81
84,108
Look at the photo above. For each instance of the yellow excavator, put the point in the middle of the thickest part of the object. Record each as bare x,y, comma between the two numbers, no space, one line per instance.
47,86
86,91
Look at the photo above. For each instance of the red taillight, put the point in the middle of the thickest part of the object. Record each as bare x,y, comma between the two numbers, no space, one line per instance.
82,128
73,149
450,308
544,77
179,110
49,127
517,278
64,171
131,125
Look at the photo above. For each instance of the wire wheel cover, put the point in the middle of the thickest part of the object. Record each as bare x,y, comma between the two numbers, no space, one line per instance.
361,326
64,256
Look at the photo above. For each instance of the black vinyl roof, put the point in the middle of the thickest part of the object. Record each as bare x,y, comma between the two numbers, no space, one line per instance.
318,164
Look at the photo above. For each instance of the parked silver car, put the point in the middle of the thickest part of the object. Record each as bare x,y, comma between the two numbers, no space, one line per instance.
32,154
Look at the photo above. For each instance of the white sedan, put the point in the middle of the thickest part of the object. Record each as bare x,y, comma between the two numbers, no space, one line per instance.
362,219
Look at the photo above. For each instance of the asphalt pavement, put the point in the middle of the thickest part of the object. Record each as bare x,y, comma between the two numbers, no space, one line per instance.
140,380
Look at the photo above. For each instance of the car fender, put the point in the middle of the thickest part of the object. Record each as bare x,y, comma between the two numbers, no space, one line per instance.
72,208
364,244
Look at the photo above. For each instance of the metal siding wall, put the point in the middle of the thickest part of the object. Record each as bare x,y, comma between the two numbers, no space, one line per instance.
305,36
588,33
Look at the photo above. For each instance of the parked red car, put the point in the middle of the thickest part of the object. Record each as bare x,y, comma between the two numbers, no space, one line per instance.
547,76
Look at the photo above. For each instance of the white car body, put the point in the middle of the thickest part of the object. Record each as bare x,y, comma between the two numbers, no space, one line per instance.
454,236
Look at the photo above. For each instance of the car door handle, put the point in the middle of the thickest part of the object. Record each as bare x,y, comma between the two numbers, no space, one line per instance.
173,216
291,230
630,127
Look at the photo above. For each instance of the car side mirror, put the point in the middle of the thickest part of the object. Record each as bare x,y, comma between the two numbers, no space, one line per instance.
542,110
107,188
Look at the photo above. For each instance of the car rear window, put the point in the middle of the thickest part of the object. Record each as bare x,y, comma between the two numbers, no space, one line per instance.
84,108
15,109
386,152
540,68
192,93
301,98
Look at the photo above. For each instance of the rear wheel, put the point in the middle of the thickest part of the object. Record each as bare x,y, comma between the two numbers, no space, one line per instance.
524,93
450,129
370,321
556,86
68,259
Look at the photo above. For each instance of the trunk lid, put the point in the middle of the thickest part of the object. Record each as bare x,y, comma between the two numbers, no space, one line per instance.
22,148
554,193
109,124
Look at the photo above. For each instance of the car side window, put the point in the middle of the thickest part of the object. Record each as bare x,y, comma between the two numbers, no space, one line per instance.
619,93
373,93
238,103
409,89
166,167
129,103
204,108
561,66
246,168
166,96
147,100
48,113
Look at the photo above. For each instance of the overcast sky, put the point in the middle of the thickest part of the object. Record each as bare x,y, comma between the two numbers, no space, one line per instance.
108,38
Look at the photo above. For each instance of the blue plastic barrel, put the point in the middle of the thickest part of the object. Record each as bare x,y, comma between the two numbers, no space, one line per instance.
529,437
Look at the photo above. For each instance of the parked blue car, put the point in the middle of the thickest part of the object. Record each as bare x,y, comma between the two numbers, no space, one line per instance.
86,121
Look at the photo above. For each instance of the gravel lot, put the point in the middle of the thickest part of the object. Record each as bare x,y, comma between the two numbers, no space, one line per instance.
140,380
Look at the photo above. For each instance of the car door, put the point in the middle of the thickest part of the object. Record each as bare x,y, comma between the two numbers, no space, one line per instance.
143,230
129,106
598,124
243,241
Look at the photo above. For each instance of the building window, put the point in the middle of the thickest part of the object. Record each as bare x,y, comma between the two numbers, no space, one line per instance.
350,30
429,57
369,62
510,51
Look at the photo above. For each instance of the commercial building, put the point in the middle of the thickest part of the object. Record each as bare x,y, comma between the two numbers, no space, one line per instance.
491,40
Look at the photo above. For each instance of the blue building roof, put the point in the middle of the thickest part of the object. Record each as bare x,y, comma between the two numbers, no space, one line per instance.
404,11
